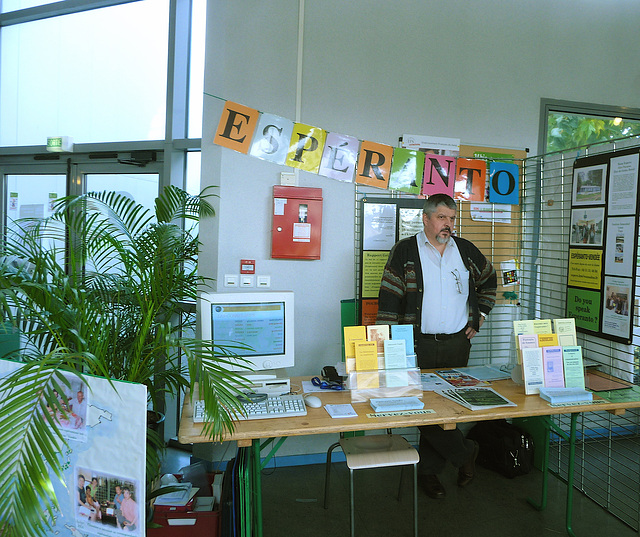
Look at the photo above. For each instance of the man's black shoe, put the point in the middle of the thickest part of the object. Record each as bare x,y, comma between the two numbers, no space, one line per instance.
432,486
467,471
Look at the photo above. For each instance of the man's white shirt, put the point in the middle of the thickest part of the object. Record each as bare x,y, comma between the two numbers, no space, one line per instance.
445,279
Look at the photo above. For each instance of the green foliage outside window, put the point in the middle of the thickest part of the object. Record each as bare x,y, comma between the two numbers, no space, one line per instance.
566,131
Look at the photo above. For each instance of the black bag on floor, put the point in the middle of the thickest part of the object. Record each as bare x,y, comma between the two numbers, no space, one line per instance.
504,447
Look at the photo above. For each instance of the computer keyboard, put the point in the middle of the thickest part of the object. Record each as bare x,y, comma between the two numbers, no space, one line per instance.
278,406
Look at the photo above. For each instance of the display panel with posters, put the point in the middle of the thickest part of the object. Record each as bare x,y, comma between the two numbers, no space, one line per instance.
384,222
103,464
603,236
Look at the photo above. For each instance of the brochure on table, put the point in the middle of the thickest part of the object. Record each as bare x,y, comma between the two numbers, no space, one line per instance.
380,362
106,436
549,359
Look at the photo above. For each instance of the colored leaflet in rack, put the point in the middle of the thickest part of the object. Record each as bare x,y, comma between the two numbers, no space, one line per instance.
351,335
565,329
532,370
366,355
553,368
395,354
547,340
405,331
573,367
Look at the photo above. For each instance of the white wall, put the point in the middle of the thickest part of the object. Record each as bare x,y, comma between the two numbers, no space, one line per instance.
474,70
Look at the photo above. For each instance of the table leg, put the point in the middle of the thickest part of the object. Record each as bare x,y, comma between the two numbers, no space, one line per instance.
256,487
254,490
545,467
572,454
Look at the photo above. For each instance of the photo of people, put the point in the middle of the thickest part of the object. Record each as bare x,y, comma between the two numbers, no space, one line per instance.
69,407
617,306
587,226
107,502
589,185
617,300
620,257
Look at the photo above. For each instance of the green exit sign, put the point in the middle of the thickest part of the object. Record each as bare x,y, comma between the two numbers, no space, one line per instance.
59,144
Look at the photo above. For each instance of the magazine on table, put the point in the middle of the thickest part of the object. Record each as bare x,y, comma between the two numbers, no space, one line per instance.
459,379
484,372
476,398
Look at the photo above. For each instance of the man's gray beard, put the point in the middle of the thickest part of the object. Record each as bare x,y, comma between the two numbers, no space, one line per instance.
443,240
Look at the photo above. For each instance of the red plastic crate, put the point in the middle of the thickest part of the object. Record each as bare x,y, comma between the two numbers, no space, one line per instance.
192,523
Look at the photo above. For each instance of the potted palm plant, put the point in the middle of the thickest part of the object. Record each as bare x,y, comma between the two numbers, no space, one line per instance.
99,288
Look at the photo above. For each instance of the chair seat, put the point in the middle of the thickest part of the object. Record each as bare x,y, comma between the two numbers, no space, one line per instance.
376,451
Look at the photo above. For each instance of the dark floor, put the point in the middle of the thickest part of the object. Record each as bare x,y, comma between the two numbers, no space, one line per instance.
492,505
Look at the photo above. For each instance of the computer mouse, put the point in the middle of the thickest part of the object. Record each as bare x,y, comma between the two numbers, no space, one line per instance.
312,401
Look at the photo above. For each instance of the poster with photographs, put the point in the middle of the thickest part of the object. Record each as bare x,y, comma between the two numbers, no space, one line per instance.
104,424
620,252
617,307
410,222
623,184
587,226
379,226
603,235
589,185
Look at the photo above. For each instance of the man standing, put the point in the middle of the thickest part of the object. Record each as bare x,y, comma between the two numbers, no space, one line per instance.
117,499
445,287
79,408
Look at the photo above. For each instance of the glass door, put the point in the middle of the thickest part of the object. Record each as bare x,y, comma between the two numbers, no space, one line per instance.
31,189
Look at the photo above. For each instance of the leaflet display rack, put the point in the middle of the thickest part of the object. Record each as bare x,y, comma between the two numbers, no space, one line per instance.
365,385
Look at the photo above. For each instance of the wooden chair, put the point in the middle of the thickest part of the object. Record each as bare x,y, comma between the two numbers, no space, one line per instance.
375,451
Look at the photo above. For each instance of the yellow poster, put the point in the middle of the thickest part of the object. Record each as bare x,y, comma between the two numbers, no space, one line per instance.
373,263
585,268
306,147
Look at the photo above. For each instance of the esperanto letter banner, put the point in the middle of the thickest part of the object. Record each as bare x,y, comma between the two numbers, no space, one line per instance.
406,170
439,175
339,157
305,150
345,158
503,183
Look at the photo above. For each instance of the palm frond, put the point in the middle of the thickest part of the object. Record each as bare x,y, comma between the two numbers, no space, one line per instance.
110,305
32,443
174,204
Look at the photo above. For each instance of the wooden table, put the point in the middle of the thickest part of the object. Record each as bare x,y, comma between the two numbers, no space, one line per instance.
447,414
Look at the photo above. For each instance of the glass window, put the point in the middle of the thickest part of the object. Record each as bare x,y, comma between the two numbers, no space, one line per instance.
33,196
193,172
566,130
97,76
140,187
196,67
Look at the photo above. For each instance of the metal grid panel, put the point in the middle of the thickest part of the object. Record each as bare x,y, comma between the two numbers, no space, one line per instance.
607,464
608,453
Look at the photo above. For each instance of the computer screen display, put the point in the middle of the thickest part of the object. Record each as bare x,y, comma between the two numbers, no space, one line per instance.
262,321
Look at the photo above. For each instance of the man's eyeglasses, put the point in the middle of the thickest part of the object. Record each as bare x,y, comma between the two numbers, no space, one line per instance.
456,275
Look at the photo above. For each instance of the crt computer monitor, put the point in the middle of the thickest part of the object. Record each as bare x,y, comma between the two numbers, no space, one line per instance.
262,320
